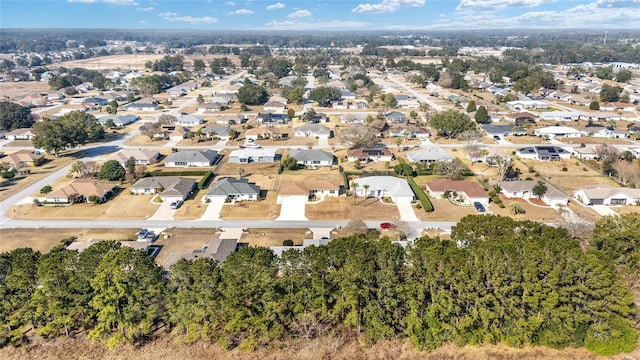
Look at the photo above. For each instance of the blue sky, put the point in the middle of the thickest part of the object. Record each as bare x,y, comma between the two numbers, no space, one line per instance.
321,14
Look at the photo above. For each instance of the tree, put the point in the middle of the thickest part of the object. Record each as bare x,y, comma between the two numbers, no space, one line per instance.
482,116
198,65
111,170
624,76
46,189
358,136
290,163
527,84
151,129
291,113
539,189
240,171
167,119
390,100
471,107
323,94
355,187
294,95
604,72
251,94
356,226
50,135
516,208
594,105
458,82
14,116
403,169
610,93
451,123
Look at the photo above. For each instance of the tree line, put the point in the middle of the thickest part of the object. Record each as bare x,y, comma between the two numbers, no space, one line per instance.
496,280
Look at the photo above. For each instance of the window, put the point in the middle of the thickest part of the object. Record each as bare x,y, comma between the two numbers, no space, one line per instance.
618,201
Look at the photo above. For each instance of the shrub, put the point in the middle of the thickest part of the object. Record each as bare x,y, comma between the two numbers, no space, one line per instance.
564,168
204,182
287,242
46,189
424,199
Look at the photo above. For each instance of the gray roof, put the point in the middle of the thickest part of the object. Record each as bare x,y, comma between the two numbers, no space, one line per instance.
503,129
432,153
216,129
124,119
310,155
217,249
314,128
544,151
603,192
185,118
395,115
527,185
193,156
233,186
173,185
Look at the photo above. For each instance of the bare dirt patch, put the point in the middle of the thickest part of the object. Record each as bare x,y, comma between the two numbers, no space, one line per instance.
532,212
274,237
252,210
19,89
593,140
341,208
44,239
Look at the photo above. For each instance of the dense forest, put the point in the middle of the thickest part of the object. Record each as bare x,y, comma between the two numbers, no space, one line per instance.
550,46
518,283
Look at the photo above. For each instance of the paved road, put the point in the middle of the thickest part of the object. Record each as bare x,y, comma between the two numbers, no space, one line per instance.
392,81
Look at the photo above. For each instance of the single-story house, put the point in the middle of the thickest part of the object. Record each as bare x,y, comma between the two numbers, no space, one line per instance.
347,94
317,118
22,158
558,131
221,132
384,186
520,118
313,130
607,195
471,191
275,106
212,106
216,249
222,99
527,104
232,189
503,130
189,158
144,104
279,250
312,187
608,133
585,153
82,189
370,154
421,133
401,131
244,156
395,117
96,101
524,190
273,119
118,120
543,153
353,118
231,119
169,188
559,115
141,156
428,155
310,157
21,134
189,120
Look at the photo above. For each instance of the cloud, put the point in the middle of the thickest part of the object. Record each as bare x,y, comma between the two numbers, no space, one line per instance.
173,17
112,2
230,3
150,8
387,6
299,14
275,6
305,25
499,4
240,12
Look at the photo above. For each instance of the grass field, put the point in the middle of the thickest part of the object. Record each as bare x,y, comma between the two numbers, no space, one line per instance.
344,208
44,239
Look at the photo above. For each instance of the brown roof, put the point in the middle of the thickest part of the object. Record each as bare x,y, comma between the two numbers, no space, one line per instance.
303,188
472,189
86,187
22,156
361,152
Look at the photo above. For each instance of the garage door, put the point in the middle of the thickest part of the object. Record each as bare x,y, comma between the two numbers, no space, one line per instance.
293,208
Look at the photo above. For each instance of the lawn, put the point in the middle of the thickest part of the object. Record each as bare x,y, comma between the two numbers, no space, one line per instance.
524,139
444,211
193,208
44,239
123,206
252,210
274,237
532,212
37,173
594,140
346,208
143,140
226,169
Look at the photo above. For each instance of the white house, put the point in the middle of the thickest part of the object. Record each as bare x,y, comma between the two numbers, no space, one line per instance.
558,131
232,189
559,115
189,120
313,130
606,195
384,186
543,153
520,105
205,158
524,190
245,156
311,157
140,156
428,155
169,188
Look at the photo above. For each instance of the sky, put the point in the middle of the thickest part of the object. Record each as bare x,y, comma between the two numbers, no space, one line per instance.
322,15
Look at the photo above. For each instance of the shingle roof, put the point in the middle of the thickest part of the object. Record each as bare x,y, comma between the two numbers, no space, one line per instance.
173,185
527,185
432,153
395,186
85,187
314,128
232,186
472,189
603,192
310,155
193,156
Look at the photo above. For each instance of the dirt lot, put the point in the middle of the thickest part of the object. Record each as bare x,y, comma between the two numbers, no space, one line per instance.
524,139
231,169
341,208
20,89
593,140
122,206
254,210
274,237
532,212
44,239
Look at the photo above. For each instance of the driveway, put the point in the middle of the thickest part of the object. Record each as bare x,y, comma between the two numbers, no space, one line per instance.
164,212
604,210
406,210
212,212
293,208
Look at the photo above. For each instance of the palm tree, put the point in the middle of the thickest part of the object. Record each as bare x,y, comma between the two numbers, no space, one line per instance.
366,188
355,186
240,172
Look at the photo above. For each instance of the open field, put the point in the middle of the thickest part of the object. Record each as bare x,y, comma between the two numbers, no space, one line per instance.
226,169
23,88
131,62
524,139
532,212
341,208
593,140
274,237
44,239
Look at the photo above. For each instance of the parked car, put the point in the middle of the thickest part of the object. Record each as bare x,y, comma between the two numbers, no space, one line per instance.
479,207
386,225
142,234
176,204
151,236
496,137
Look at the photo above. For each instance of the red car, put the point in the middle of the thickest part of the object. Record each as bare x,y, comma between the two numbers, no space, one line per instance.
386,225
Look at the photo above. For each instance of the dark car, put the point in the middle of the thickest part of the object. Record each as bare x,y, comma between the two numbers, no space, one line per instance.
496,137
479,207
386,225
176,204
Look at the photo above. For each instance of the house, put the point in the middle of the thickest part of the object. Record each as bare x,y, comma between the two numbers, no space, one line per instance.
141,156
21,134
609,133
168,188
231,119
279,250
312,187
310,157
224,99
470,191
395,117
520,118
384,186
245,156
317,118
216,249
80,190
232,189
353,118
606,195
347,94
274,119
428,155
370,154
22,158
313,130
559,115
635,152
401,131
189,120
585,153
221,132
212,106
96,101
543,153
526,104
144,104
503,130
118,120
421,133
275,106
524,190
185,158
558,131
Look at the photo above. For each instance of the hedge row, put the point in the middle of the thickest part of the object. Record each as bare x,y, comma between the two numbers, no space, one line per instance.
204,182
180,173
422,196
